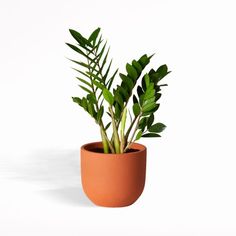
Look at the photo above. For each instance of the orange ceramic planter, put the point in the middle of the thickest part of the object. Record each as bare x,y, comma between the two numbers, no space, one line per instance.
113,180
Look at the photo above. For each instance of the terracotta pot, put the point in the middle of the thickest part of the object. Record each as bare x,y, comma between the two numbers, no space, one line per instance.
113,180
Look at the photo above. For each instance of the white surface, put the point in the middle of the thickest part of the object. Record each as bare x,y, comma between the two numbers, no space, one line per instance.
191,178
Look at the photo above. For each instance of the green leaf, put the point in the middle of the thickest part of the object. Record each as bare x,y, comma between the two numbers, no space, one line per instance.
147,80
144,60
151,135
107,71
117,111
84,103
85,89
151,111
101,53
118,98
137,66
127,81
107,126
139,91
131,71
104,60
94,76
108,96
136,109
100,114
123,92
77,100
139,135
149,107
91,98
81,72
79,51
142,123
149,94
79,38
84,81
148,101
91,109
150,121
94,35
98,84
157,96
161,72
111,79
84,65
157,128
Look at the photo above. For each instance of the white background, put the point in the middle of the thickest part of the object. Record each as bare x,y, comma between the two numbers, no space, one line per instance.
191,177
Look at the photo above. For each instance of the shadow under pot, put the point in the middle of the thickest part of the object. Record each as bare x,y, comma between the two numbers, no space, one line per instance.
113,180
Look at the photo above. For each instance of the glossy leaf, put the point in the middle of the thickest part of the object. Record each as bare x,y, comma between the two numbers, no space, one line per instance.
91,109
118,98
79,38
150,121
137,66
144,60
139,91
147,80
98,84
91,98
131,71
138,135
84,81
124,93
142,123
148,107
127,81
108,96
76,100
85,89
111,79
157,128
136,109
94,35
117,111
100,114
107,126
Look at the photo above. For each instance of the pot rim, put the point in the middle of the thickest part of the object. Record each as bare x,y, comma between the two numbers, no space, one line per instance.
140,147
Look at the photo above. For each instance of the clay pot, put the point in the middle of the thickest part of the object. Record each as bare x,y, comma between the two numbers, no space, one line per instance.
113,180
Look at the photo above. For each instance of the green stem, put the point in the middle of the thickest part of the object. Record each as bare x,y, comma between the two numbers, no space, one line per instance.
115,132
104,141
130,128
135,130
122,130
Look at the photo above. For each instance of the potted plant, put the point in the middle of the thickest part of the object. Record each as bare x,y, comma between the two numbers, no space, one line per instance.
113,170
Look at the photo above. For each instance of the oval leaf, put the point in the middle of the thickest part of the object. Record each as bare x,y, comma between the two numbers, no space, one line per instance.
139,135
131,71
108,96
150,121
157,128
136,109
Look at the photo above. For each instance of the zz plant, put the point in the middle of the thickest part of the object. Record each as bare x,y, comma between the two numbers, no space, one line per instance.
96,80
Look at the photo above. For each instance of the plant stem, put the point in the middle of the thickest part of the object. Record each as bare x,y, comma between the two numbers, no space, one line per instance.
115,132
135,130
122,130
130,128
104,141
